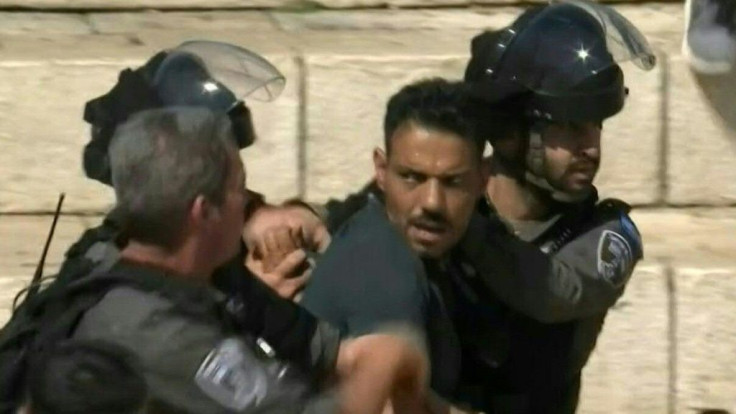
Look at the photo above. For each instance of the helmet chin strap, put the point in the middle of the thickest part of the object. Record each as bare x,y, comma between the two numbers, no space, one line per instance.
535,174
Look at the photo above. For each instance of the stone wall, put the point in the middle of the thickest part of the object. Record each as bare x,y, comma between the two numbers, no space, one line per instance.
250,4
668,345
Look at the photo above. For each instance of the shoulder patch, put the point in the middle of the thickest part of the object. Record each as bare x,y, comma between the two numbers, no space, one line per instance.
232,376
632,235
615,258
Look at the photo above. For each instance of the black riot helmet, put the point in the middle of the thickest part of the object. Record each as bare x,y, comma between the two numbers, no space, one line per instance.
556,63
216,75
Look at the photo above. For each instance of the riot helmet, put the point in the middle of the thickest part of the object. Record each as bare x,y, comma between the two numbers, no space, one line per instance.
216,75
557,63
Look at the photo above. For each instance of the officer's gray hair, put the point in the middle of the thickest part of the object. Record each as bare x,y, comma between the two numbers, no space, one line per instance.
161,160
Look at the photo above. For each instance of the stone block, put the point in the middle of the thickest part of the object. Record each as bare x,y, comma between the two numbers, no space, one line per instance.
343,4
702,137
630,163
252,4
628,371
213,21
700,141
22,239
397,20
140,4
706,333
42,24
9,288
652,18
702,237
42,135
272,163
78,49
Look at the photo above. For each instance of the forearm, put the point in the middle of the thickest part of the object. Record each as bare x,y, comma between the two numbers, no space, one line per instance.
382,368
294,333
538,285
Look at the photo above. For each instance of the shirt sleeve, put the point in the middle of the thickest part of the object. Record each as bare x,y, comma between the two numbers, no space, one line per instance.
361,288
336,212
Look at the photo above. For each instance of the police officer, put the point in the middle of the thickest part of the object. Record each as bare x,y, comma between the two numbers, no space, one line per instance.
545,85
220,77
180,194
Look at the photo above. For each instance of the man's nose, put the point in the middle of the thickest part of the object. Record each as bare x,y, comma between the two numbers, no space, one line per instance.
589,141
433,197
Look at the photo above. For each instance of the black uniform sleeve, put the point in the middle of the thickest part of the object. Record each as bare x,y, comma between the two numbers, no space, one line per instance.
548,288
294,333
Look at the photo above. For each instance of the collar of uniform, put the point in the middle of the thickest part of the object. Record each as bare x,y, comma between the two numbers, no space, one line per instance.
196,297
532,230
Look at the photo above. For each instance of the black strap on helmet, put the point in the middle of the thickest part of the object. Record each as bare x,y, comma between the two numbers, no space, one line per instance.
132,93
164,80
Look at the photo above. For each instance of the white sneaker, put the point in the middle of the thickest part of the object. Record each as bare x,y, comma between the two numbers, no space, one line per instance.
709,42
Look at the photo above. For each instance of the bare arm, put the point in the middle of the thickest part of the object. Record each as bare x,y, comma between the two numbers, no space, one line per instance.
380,369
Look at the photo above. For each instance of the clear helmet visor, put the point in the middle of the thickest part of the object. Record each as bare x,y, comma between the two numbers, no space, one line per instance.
217,75
557,48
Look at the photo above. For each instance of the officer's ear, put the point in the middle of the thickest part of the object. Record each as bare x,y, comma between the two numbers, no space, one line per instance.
201,210
380,163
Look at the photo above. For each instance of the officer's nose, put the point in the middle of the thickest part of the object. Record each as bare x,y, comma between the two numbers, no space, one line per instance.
589,140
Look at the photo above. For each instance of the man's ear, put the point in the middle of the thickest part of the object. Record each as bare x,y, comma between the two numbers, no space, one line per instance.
200,211
380,163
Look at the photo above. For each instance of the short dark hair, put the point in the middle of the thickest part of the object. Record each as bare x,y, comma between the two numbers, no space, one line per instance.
434,103
161,160
85,377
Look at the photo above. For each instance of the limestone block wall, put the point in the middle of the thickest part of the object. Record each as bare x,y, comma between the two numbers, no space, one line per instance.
668,345
245,4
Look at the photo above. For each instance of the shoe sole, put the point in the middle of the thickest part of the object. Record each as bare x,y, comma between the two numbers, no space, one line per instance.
700,65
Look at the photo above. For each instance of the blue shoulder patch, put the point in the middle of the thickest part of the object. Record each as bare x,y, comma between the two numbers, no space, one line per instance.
631,233
618,251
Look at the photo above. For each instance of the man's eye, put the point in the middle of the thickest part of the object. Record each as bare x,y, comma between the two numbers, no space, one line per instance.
411,177
453,181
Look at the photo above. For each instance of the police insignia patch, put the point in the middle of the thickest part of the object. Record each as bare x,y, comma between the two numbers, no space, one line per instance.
231,376
615,258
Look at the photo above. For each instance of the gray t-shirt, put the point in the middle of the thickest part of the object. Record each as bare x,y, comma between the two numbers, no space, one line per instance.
369,278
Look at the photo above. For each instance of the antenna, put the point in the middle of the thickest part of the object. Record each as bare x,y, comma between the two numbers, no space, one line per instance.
36,281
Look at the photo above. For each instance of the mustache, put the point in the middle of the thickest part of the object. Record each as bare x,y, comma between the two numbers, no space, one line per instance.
585,163
429,220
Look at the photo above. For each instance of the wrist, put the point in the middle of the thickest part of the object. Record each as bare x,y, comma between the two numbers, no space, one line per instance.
314,209
256,201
